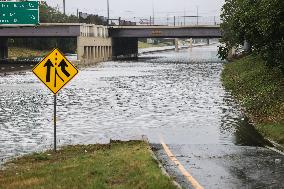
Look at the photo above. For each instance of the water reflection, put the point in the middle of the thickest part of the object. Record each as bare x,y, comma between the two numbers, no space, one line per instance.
246,135
178,96
235,125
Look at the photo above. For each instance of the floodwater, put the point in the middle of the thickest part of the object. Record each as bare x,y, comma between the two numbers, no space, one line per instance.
176,97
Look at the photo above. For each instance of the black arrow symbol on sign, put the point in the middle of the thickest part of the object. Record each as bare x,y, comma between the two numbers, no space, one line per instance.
63,65
48,66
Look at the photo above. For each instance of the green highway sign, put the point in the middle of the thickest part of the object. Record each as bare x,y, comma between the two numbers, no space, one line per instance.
19,13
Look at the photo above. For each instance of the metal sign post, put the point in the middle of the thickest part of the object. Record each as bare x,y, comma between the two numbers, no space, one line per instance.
55,71
54,122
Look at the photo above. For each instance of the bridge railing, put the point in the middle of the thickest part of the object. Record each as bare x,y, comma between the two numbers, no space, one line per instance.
174,20
91,30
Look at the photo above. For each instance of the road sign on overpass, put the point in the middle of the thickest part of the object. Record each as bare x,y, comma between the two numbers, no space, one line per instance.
19,13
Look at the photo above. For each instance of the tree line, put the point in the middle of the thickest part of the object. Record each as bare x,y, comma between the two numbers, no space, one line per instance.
258,22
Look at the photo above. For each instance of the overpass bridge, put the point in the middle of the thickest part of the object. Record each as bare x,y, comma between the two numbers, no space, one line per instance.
93,41
200,31
125,38
99,43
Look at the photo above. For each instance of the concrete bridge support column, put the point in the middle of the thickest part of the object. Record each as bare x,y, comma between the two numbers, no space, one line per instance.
108,52
176,45
80,49
125,48
190,43
91,53
3,48
96,51
106,49
99,52
86,52
104,52
91,56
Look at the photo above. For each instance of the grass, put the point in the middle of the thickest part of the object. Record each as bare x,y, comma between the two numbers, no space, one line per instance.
20,52
120,165
273,130
260,90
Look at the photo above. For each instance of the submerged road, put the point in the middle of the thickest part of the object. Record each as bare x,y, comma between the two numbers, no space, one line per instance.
172,97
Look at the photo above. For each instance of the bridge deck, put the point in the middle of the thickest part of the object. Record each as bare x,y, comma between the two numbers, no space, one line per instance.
166,31
77,29
44,30
53,30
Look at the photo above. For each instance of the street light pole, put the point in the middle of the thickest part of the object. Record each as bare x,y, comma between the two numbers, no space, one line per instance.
107,12
184,16
64,7
153,9
197,15
167,19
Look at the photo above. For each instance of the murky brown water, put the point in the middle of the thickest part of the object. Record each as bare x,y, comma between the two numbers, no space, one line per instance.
176,96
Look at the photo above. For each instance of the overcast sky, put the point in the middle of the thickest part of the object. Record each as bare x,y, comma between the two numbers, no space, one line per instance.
142,8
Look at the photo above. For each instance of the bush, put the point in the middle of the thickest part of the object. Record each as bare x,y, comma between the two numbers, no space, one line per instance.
260,23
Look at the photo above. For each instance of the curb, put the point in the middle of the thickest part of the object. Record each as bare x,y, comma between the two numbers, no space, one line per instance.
145,139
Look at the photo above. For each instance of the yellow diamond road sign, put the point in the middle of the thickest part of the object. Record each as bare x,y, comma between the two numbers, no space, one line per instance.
55,71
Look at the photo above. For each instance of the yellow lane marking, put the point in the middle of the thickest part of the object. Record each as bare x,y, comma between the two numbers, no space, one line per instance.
193,182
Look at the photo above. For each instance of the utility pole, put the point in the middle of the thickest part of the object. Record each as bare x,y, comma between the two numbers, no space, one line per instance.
197,15
184,17
107,12
153,13
167,19
64,7
174,20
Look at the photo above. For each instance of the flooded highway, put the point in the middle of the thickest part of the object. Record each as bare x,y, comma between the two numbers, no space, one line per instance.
176,97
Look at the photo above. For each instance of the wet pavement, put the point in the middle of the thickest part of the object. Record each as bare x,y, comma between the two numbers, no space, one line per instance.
176,96
15,67
225,166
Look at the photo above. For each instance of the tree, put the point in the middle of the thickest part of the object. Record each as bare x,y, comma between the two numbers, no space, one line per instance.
260,23
51,15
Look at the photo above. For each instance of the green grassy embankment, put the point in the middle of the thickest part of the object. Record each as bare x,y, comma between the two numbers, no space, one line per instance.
261,92
115,165
20,52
